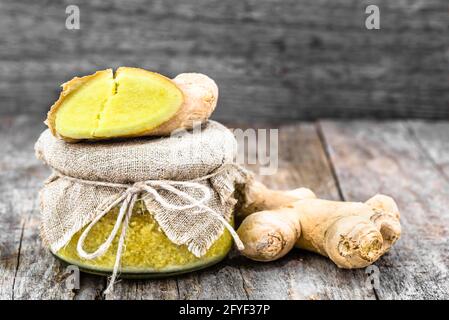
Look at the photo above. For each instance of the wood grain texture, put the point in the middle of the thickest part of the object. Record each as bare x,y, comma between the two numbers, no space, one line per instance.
11,222
373,157
21,176
28,270
433,140
223,281
273,60
163,289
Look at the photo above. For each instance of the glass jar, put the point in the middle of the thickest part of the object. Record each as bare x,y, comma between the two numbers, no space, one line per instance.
148,253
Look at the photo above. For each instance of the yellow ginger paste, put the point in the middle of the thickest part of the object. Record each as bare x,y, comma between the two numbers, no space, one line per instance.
147,249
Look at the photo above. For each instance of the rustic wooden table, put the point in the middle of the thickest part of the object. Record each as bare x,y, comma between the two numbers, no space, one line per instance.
349,160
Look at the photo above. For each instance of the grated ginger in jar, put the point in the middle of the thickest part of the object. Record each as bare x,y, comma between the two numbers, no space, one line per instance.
147,251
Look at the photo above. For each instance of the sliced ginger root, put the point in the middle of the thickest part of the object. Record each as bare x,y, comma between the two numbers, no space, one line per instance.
351,234
134,102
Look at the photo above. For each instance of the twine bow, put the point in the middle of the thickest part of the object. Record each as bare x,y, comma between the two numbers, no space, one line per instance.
127,199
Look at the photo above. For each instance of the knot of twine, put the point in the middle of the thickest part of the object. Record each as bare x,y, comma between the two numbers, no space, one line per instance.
127,199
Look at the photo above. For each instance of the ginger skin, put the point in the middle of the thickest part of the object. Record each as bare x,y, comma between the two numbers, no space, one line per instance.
200,99
257,197
351,234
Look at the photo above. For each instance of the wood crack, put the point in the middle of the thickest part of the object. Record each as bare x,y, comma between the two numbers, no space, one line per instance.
18,259
245,289
177,288
325,146
102,295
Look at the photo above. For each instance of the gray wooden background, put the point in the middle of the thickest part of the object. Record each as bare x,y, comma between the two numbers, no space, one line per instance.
277,60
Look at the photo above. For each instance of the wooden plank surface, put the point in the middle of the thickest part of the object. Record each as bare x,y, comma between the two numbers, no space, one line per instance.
433,139
11,223
32,271
21,176
393,158
266,55
403,159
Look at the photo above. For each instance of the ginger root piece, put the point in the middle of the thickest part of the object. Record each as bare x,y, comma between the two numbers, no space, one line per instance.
351,234
134,102
257,197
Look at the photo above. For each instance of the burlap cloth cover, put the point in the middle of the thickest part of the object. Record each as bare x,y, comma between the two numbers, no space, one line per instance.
67,205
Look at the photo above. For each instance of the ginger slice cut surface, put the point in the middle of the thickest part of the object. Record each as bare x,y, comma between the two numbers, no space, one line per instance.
80,104
143,100
101,106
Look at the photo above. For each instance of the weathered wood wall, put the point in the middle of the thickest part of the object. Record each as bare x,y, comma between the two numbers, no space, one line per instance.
273,59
